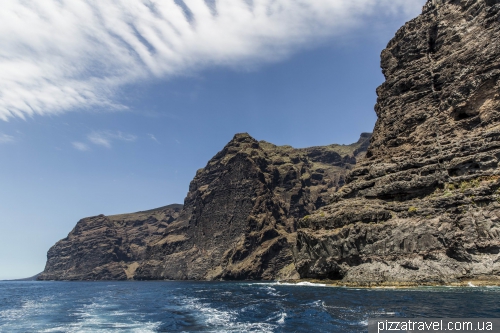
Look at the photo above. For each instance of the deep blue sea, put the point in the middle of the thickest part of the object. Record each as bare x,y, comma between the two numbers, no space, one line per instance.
225,306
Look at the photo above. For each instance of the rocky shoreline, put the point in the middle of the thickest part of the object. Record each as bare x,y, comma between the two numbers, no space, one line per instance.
492,281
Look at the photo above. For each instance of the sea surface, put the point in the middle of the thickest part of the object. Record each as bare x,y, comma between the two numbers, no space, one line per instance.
225,306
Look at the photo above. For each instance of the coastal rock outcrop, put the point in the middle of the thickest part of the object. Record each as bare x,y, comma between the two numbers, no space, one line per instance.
423,206
238,220
107,247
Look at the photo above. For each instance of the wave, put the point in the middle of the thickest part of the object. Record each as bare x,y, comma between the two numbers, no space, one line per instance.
304,283
281,320
223,320
272,291
27,308
101,316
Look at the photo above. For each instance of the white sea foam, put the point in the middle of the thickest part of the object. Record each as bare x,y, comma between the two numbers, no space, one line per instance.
135,327
382,313
271,291
302,284
27,308
282,318
94,317
223,320
318,303
311,284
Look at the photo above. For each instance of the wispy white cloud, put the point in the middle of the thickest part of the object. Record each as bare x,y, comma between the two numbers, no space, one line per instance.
61,55
99,139
4,138
152,137
80,146
104,138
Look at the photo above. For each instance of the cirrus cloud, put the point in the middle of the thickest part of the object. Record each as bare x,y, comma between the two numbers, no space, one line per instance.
5,138
80,146
105,138
62,55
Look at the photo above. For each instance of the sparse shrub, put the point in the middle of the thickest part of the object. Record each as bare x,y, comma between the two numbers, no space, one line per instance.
412,210
450,187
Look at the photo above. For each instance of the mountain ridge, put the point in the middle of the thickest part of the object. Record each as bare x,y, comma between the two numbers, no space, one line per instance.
254,190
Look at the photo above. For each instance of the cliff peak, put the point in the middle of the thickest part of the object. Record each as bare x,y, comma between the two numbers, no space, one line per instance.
243,137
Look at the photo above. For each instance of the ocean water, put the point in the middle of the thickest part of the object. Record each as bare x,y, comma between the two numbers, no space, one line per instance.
225,306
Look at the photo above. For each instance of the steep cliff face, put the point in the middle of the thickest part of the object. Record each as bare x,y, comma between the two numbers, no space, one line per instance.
238,220
240,214
107,247
423,205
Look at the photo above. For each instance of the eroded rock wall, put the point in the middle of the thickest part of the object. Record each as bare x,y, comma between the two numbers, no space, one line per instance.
107,247
239,218
423,205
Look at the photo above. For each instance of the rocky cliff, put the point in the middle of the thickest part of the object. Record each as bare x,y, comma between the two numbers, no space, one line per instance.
107,247
238,220
423,207
240,214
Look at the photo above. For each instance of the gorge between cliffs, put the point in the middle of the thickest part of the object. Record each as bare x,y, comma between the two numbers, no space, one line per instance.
417,202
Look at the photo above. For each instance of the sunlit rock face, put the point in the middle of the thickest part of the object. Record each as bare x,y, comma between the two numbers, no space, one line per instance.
423,205
238,220
240,215
107,247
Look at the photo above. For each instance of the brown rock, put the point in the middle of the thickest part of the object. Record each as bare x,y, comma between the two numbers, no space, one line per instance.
240,214
107,247
423,206
238,221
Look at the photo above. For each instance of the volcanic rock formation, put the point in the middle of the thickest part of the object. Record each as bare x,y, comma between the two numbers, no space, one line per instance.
238,221
240,214
107,247
424,205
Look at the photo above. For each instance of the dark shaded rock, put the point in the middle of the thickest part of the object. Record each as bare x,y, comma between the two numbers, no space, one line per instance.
107,247
423,205
239,218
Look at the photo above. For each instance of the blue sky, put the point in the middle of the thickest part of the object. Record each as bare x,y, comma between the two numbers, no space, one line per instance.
105,110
